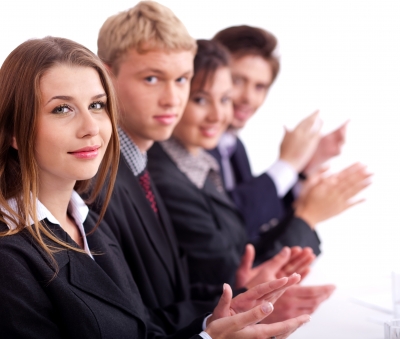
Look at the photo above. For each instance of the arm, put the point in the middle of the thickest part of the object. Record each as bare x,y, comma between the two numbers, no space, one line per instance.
26,311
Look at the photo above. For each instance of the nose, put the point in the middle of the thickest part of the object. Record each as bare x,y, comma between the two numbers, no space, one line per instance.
247,94
89,126
216,113
171,95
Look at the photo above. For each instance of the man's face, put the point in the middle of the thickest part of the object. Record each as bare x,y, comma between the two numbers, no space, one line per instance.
252,76
152,89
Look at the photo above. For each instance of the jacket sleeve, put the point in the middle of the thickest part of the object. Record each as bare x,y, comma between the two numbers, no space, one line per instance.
291,231
26,311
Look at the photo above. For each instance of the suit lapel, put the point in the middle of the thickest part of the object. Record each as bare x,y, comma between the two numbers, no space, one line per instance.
105,277
209,189
150,222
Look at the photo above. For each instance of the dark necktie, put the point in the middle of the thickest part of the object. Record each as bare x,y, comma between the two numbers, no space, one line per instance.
144,180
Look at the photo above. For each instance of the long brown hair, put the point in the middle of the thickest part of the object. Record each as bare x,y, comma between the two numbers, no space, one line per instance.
20,98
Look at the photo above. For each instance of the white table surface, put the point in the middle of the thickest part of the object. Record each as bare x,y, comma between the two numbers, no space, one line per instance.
352,312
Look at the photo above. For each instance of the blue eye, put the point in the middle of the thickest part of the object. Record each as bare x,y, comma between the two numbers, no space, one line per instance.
151,80
181,80
98,105
199,100
62,109
226,100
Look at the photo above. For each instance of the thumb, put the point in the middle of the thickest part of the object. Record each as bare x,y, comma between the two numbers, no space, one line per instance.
278,261
222,309
244,271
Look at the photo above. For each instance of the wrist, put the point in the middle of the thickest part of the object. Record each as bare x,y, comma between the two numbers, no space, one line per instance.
292,162
307,216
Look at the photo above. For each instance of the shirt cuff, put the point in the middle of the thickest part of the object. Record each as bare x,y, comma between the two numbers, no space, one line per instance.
283,175
204,325
205,335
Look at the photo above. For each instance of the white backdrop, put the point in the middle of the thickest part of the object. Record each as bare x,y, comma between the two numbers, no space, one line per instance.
341,56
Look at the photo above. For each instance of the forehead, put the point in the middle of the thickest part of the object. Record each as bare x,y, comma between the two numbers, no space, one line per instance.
69,80
253,68
168,62
218,82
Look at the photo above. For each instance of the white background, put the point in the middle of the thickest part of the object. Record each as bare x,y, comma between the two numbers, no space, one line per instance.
342,57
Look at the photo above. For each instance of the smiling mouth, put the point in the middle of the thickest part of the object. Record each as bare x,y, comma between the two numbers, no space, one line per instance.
210,131
89,152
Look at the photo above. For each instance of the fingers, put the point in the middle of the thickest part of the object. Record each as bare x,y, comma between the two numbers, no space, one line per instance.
285,328
269,291
223,307
311,291
299,262
229,326
279,260
243,273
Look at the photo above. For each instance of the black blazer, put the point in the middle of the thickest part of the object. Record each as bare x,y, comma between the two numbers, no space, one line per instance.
86,299
207,224
151,251
265,214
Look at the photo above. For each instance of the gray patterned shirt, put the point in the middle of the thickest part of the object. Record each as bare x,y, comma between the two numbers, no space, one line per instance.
196,168
136,160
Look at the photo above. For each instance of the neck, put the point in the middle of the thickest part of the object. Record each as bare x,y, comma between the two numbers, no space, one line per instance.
143,144
56,200
193,150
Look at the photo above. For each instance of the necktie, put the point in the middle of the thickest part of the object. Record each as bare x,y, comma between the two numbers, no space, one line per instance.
144,180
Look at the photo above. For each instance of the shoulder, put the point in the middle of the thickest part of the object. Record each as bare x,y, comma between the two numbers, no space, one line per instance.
161,166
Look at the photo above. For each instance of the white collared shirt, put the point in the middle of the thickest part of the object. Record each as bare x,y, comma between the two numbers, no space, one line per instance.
76,208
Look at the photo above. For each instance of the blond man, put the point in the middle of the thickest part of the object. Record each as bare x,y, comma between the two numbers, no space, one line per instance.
149,54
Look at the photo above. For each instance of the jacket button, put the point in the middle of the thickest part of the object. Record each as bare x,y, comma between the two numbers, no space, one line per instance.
267,226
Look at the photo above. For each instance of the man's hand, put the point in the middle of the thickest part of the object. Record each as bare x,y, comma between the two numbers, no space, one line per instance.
329,146
298,300
285,263
224,323
299,145
332,195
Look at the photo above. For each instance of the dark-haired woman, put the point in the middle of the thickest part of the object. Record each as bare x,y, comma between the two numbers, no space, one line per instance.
208,225
62,274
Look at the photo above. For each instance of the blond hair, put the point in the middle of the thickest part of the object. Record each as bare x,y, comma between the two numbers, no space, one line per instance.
147,26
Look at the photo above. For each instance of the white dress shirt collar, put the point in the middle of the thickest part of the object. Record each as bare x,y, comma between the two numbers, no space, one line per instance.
76,208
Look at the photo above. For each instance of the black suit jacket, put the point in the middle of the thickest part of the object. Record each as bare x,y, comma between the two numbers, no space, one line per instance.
265,214
151,251
86,298
208,225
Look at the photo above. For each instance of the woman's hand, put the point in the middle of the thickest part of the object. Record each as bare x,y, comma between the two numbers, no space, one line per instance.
244,325
267,292
285,263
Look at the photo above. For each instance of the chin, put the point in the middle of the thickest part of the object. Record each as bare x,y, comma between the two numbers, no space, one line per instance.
86,174
163,134
238,124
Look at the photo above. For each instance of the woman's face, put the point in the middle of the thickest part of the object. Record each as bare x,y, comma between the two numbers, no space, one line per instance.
73,127
208,112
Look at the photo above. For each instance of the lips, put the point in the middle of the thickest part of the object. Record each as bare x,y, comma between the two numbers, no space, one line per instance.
166,119
242,113
88,152
210,131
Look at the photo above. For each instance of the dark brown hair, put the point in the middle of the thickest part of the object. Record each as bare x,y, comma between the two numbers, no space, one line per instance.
210,56
20,99
246,40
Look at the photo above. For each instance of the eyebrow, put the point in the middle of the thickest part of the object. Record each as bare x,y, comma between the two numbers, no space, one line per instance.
69,98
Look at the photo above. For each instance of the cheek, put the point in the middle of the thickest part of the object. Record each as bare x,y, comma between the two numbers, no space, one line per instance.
105,129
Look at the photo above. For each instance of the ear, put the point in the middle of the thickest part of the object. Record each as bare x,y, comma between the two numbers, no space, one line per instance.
14,143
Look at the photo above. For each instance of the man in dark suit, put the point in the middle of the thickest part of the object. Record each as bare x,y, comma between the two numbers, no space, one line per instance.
151,70
266,200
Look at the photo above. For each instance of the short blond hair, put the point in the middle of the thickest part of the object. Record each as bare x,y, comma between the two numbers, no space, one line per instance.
147,26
